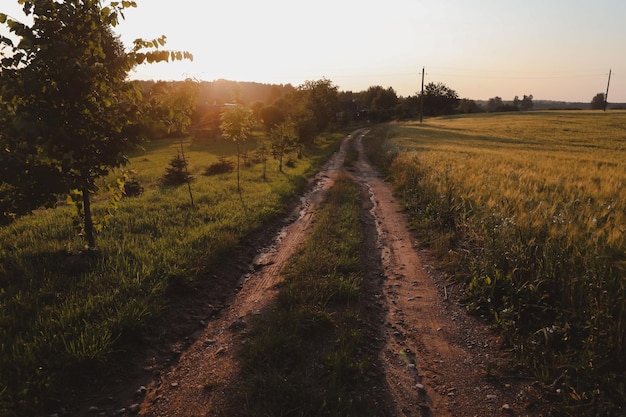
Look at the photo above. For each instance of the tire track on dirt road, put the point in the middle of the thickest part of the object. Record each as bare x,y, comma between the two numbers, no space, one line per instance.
198,385
435,356
412,323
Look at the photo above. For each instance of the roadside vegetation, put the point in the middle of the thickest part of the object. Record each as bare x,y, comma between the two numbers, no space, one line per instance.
529,212
308,354
66,313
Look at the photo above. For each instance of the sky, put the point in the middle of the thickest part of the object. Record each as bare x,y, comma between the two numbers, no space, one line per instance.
553,49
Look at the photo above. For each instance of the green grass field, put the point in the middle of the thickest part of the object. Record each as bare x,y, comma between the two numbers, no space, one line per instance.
529,210
64,311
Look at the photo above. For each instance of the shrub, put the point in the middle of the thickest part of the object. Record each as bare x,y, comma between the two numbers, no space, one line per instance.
223,166
176,173
132,188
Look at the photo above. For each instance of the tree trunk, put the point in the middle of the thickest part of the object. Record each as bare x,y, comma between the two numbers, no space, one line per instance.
182,152
238,175
264,168
89,233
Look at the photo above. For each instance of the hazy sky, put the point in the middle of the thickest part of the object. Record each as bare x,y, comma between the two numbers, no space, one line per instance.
552,49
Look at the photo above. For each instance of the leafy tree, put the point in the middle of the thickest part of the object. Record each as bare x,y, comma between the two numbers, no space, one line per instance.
285,103
597,103
439,99
322,101
68,114
408,107
367,97
526,103
304,120
236,123
312,106
256,109
494,104
347,102
467,105
271,116
263,153
382,103
283,138
170,106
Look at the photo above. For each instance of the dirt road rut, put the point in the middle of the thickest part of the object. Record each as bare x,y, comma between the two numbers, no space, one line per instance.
434,355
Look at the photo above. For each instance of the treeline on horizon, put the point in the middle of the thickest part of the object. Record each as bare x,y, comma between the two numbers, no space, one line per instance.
376,104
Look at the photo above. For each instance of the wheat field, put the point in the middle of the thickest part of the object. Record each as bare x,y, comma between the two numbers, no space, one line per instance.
529,210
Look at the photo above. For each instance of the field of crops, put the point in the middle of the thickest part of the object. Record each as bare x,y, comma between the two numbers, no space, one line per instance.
529,209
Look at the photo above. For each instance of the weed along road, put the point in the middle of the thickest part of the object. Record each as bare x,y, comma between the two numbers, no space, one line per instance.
433,359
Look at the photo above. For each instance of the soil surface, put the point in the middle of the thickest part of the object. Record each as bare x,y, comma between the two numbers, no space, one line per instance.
433,359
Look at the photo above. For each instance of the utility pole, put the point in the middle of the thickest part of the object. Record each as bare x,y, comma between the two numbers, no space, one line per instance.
422,98
606,96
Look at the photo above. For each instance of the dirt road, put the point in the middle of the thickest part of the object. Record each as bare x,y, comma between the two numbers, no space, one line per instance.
434,356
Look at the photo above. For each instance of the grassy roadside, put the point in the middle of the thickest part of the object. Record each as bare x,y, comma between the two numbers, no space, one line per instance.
65,312
528,211
306,357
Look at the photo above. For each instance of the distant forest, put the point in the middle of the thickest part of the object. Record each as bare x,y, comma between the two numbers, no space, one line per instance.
222,91
561,105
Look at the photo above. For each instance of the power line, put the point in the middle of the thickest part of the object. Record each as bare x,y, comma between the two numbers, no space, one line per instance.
469,74
520,77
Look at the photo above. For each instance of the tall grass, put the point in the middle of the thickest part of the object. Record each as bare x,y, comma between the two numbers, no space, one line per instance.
64,311
306,357
530,210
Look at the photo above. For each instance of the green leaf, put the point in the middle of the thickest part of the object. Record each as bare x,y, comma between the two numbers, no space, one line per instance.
25,43
6,41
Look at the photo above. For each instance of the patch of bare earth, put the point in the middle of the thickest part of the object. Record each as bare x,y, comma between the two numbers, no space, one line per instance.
431,356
